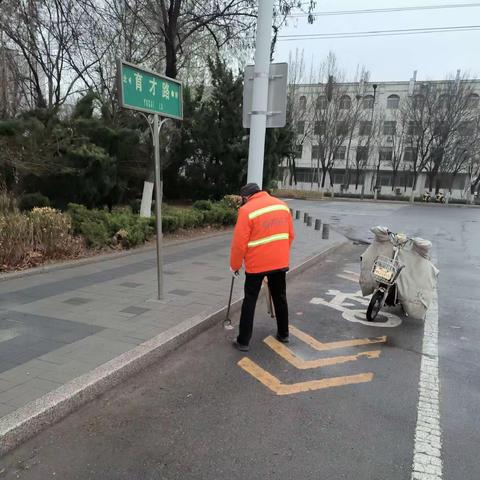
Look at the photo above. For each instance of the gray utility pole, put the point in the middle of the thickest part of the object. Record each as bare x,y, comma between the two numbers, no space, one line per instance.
256,150
157,125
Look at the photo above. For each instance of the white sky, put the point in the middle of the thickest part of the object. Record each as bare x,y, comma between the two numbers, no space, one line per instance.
390,58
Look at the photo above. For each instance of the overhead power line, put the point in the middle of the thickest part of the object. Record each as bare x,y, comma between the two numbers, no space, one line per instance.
378,33
384,10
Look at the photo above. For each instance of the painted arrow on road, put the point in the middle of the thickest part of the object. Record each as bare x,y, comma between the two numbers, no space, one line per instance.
279,388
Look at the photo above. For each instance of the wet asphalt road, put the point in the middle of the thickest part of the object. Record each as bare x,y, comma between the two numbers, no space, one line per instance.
197,415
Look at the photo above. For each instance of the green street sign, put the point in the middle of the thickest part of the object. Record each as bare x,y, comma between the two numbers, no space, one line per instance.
149,92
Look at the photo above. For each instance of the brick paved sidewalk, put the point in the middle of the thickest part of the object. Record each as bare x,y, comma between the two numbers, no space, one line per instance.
58,325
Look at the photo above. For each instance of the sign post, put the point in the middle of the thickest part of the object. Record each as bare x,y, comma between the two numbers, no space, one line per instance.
145,91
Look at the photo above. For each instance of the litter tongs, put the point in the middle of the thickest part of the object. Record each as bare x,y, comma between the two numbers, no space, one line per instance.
227,323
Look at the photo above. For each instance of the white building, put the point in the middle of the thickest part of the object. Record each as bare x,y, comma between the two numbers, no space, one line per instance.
379,105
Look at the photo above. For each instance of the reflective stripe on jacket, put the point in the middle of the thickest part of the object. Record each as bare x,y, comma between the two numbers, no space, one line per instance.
263,235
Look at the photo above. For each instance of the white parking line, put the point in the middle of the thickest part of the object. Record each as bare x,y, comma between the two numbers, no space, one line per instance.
427,455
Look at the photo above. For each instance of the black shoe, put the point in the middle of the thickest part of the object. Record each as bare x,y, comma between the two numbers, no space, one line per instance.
282,339
239,346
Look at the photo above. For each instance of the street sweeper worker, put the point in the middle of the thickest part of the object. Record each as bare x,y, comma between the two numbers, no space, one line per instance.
261,242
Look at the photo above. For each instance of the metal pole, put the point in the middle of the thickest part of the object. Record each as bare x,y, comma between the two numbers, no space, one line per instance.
258,121
157,125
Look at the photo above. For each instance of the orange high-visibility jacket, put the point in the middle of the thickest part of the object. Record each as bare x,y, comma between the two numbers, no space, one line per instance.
262,236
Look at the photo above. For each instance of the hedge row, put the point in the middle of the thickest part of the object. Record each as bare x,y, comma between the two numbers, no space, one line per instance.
102,228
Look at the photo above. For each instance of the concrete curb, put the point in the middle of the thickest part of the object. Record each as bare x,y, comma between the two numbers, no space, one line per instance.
100,258
29,420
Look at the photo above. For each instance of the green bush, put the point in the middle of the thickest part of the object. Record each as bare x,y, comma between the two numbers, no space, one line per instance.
31,200
95,234
81,214
191,218
230,216
220,214
202,205
135,205
170,223
101,228
135,233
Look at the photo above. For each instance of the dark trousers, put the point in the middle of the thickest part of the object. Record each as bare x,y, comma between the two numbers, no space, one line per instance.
253,283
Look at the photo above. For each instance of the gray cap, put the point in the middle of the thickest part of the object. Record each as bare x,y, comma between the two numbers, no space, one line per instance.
249,189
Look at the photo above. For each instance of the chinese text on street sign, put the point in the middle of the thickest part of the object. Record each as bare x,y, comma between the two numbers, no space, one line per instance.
149,92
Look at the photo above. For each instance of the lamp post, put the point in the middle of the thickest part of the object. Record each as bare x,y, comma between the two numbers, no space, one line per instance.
370,136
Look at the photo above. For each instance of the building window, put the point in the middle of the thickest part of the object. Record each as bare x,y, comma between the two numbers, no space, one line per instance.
362,154
345,102
316,152
365,128
299,151
409,154
367,102
301,127
405,179
473,100
303,102
338,178
385,154
393,102
322,103
340,153
305,175
385,179
414,128
389,128
320,128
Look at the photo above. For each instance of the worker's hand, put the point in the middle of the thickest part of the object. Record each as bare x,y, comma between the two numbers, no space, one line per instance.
235,273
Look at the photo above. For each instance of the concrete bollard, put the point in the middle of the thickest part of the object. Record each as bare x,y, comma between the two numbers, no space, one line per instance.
326,231
297,214
309,221
318,224
305,217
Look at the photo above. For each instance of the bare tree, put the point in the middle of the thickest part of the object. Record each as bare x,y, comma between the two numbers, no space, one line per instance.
44,33
335,116
361,112
461,153
420,139
434,117
473,177
396,131
298,114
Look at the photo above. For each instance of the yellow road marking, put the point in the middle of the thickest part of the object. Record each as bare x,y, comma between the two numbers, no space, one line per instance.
297,362
279,388
314,343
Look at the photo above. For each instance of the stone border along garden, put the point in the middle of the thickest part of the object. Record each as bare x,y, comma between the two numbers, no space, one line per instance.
33,237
